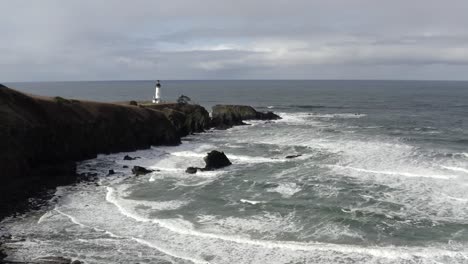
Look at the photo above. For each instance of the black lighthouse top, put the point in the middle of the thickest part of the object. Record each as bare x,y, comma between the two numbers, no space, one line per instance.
158,84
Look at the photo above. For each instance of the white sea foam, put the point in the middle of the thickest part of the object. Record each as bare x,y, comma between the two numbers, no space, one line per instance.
395,173
251,201
286,189
269,224
456,169
381,252
44,217
138,240
340,115
252,159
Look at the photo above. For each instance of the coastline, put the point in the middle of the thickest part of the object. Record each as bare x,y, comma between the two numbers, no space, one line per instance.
44,137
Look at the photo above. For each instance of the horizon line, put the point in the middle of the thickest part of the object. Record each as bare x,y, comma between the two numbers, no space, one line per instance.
150,80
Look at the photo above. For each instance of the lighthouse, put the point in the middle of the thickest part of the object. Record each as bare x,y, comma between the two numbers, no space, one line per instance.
157,94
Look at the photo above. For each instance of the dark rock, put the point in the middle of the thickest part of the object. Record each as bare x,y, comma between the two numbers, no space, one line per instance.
293,156
77,262
192,170
215,160
127,157
111,172
267,116
133,103
137,170
186,118
125,166
226,116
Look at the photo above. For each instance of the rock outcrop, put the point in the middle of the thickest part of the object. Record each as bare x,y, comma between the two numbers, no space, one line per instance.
186,118
227,116
41,138
215,160
138,170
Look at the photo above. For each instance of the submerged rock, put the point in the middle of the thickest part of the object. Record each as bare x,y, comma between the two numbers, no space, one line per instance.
127,157
192,170
215,160
293,156
111,172
137,170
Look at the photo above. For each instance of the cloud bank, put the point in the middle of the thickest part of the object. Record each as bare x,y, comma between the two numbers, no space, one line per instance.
52,40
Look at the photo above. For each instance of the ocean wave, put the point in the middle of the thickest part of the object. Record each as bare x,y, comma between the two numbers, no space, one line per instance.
251,202
340,115
253,159
395,173
381,252
456,169
138,240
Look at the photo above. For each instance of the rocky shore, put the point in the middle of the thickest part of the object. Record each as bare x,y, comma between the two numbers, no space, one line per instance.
41,138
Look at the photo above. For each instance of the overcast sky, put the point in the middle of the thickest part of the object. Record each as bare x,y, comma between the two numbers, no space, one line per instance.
53,40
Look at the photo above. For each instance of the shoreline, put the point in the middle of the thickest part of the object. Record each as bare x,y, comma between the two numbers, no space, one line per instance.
44,137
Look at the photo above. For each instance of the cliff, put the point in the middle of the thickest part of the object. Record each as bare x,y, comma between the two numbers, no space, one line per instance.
41,138
226,116
186,118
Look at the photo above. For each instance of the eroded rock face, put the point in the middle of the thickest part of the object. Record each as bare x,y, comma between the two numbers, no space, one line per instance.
41,138
227,116
215,160
186,118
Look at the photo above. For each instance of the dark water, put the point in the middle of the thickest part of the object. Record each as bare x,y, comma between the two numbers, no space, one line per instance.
382,178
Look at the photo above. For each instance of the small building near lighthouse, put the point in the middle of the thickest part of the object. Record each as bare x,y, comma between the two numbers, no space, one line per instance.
157,93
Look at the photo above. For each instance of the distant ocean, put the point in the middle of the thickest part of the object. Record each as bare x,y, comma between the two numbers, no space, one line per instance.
382,177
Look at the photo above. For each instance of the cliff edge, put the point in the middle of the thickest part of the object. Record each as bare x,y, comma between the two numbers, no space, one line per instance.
186,118
41,138
227,116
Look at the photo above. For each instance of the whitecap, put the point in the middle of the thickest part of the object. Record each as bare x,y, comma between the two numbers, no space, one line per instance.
340,115
253,159
395,173
251,201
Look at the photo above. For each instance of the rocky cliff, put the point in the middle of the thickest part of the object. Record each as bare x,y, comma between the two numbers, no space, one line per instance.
41,138
186,118
226,116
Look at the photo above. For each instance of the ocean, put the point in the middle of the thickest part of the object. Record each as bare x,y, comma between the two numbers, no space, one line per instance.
381,177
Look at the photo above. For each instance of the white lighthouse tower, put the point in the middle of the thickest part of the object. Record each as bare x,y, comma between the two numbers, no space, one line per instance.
157,94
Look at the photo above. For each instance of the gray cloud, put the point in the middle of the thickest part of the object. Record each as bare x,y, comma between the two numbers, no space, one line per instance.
212,39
